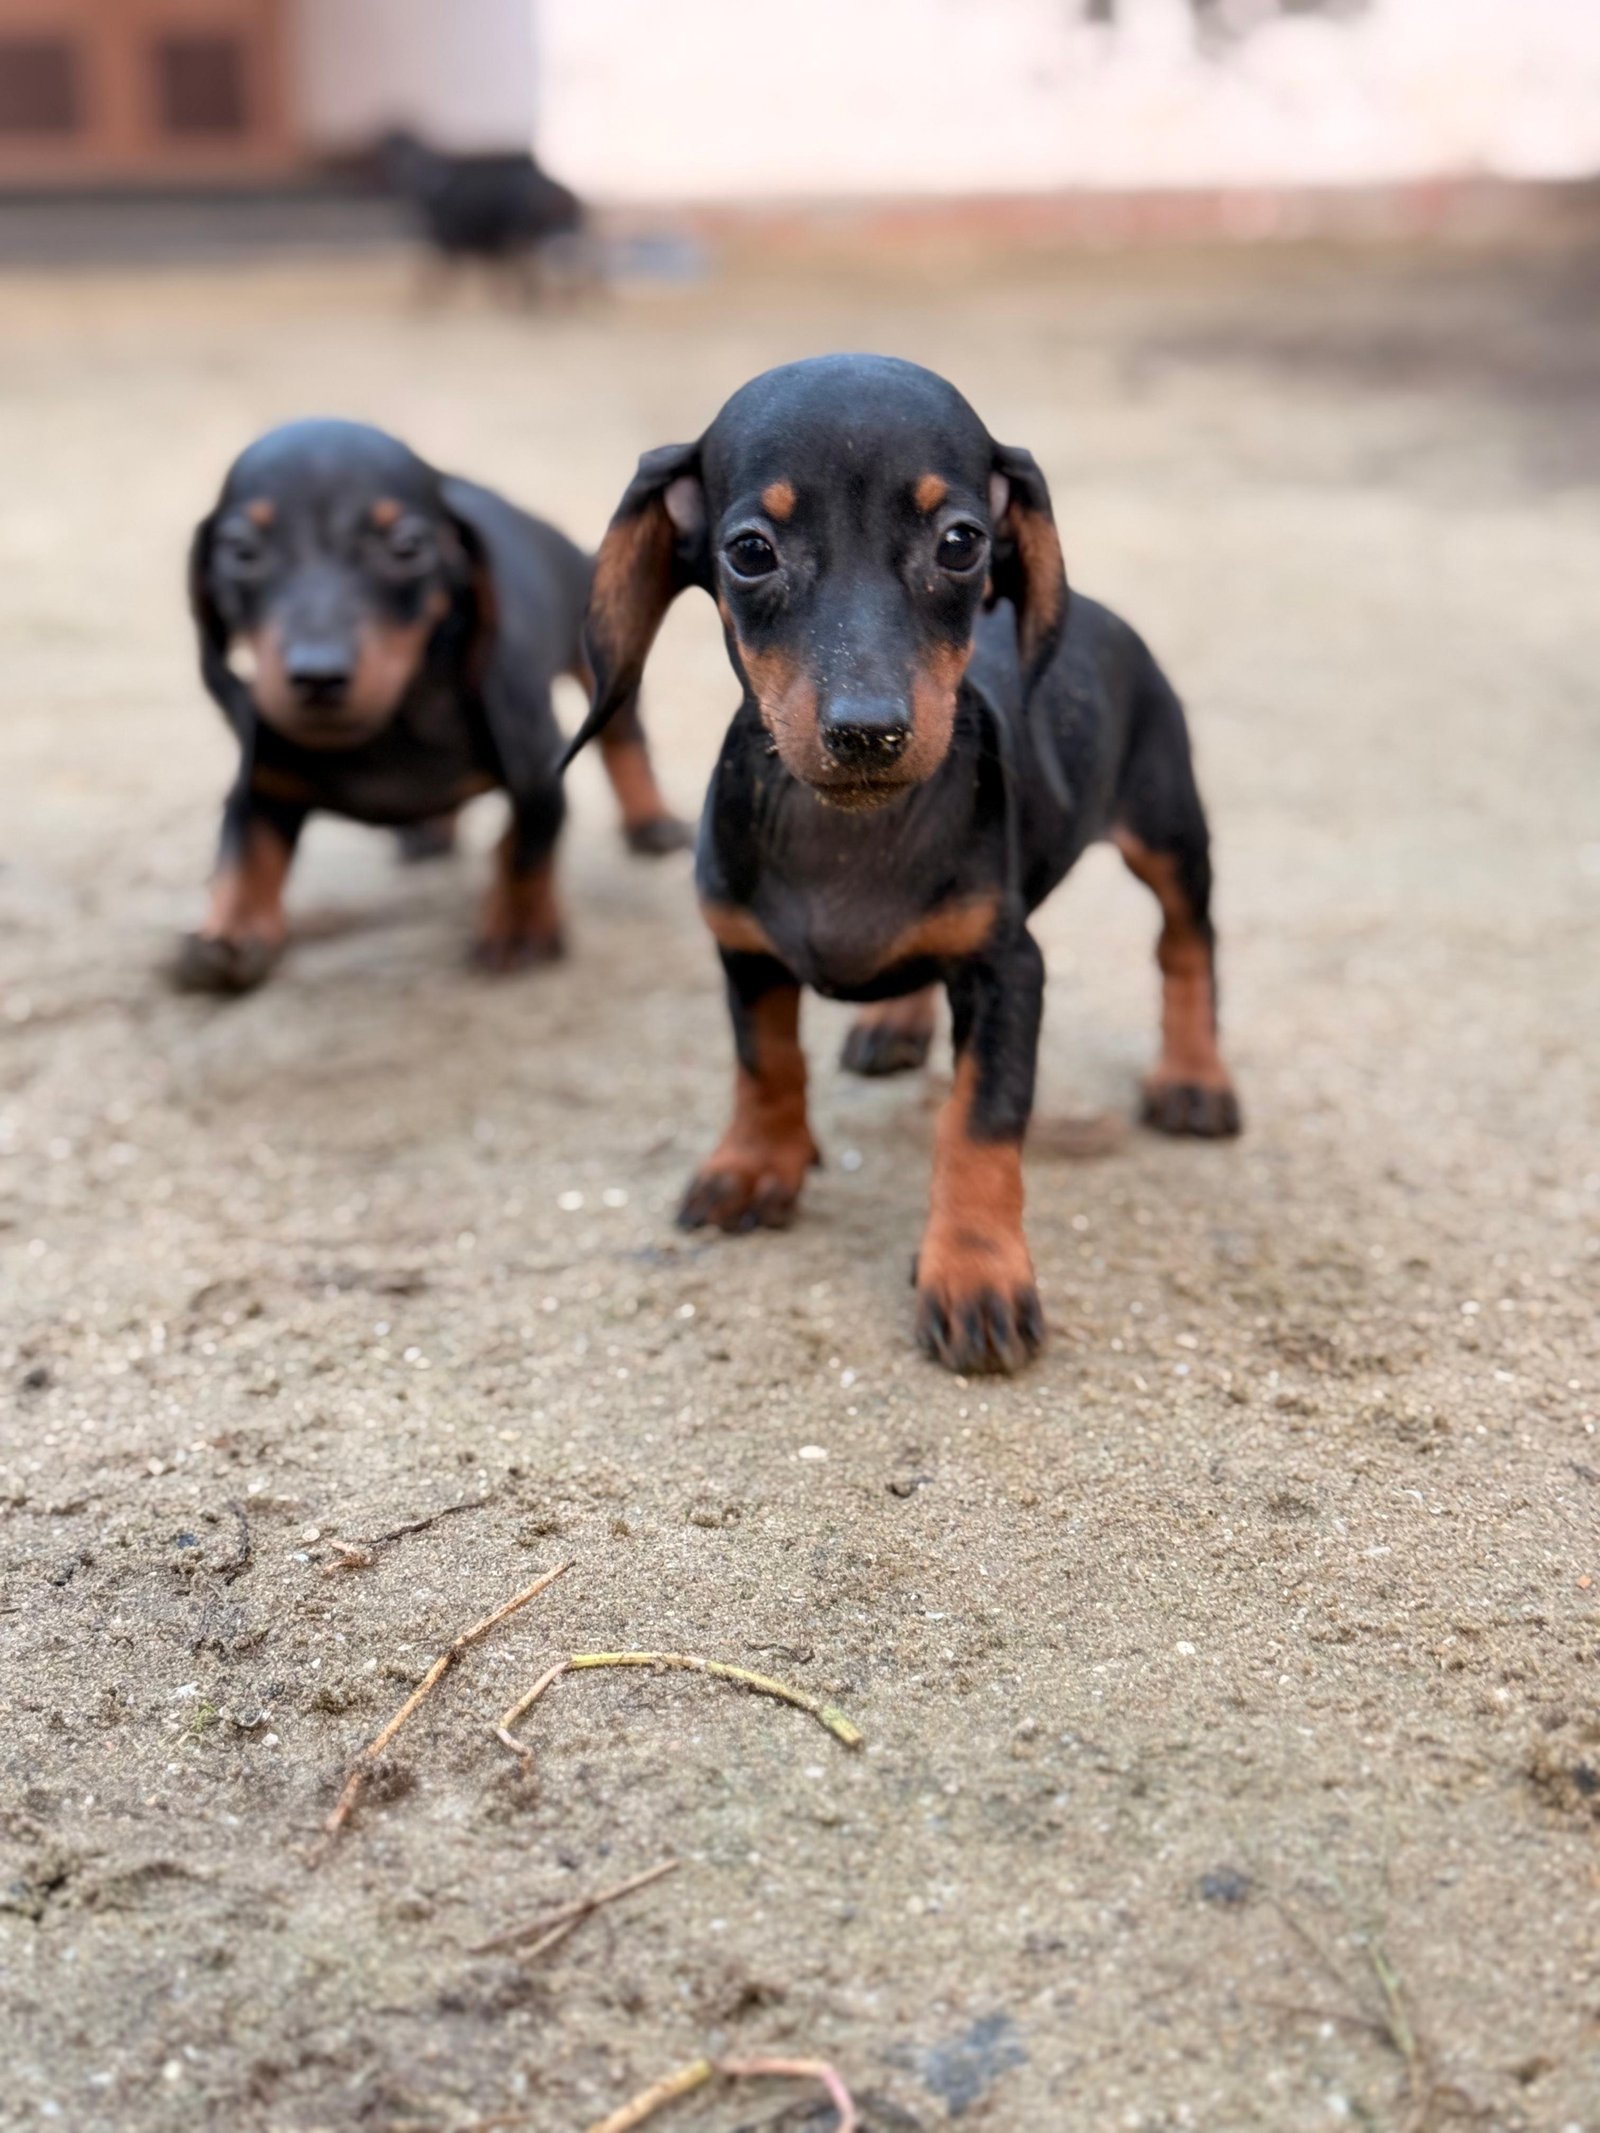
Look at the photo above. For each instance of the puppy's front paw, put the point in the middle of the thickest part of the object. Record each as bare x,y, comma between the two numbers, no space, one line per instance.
977,1306
1206,1110
660,834
521,923
744,1186
207,962
509,948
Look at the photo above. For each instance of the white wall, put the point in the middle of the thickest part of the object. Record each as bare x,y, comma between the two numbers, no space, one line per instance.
731,99
460,71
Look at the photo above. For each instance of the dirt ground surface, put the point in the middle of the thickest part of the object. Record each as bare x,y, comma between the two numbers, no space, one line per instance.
1228,1681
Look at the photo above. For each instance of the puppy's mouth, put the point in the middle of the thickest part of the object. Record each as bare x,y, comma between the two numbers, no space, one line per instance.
349,726
852,792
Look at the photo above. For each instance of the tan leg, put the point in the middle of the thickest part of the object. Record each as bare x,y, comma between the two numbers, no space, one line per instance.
649,826
1189,1090
243,932
752,1178
977,1306
521,919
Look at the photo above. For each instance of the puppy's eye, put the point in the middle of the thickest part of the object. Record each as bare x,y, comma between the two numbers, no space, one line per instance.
751,555
241,549
410,543
960,546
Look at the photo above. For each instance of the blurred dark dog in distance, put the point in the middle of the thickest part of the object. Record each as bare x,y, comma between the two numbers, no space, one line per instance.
497,208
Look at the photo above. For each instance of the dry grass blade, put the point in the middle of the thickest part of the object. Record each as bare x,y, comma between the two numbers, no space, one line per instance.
559,1921
826,1714
361,1768
700,2071
646,2104
522,1706
799,2070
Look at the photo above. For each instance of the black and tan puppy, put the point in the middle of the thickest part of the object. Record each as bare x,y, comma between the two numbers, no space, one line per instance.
383,639
499,207
931,733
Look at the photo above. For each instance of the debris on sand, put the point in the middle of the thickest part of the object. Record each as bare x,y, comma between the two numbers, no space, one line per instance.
700,2071
826,1714
361,1769
555,1924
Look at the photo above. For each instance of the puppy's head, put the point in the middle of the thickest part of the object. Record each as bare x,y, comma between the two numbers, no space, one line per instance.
321,576
850,515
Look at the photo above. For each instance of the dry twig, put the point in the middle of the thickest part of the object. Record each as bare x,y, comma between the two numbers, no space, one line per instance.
361,1768
559,1921
523,1705
826,1714
667,2090
700,2071
361,1554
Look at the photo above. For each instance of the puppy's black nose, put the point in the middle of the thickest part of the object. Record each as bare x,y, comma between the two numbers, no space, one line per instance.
319,674
865,732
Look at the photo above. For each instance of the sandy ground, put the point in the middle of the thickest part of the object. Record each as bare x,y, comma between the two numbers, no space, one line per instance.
1238,1659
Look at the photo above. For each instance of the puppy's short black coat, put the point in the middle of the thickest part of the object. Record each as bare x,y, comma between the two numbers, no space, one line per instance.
931,734
383,640
501,205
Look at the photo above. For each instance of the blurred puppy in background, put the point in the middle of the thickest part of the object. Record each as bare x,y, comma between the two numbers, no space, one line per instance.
498,208
383,640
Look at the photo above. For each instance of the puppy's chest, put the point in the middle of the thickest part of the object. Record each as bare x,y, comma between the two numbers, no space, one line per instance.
430,758
859,930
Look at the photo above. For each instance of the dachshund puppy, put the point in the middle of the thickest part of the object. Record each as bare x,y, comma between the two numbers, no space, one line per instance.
500,207
931,732
383,639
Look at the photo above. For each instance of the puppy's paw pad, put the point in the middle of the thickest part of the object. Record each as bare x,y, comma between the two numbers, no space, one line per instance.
660,835
1191,1108
980,1331
207,963
873,1048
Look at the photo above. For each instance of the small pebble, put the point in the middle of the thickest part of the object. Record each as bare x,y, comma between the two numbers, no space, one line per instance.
1225,1884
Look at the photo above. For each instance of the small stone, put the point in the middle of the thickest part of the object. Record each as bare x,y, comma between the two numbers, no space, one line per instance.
1225,1884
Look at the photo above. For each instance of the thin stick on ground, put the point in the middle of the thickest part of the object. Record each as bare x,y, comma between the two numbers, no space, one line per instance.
646,2104
700,2071
826,1714
361,1768
362,1554
561,1918
522,1706
798,2070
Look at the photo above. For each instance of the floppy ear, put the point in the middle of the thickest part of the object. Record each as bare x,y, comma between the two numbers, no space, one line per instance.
502,645
225,688
471,572
655,548
1027,569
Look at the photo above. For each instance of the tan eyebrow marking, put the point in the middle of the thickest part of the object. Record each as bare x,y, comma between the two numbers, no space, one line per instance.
930,492
778,499
262,512
385,511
